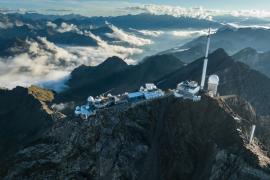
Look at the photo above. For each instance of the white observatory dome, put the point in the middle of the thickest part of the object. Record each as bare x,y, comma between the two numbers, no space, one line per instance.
90,99
78,108
213,79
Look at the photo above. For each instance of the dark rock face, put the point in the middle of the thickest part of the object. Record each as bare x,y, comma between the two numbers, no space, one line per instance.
22,120
87,74
162,139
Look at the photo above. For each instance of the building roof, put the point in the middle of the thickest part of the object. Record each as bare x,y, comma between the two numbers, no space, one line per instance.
135,94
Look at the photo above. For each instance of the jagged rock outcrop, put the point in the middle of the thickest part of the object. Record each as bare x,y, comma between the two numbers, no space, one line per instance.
162,139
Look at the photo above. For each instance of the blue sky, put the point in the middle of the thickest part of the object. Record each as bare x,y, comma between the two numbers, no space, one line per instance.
115,7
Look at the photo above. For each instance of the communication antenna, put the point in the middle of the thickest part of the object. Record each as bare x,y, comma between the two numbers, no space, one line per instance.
252,134
205,60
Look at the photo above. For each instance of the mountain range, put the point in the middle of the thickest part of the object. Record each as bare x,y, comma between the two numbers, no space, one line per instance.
210,131
231,39
139,21
259,61
164,138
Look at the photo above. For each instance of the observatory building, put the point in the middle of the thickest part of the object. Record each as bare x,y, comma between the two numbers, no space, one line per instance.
188,90
84,111
213,81
150,91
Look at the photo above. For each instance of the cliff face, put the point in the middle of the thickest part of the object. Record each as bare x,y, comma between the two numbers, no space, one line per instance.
23,119
162,139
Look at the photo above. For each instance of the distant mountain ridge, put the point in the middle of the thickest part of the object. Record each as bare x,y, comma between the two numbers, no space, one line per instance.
116,76
228,38
259,61
140,21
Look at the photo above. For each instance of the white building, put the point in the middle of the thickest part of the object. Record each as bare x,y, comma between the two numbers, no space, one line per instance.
150,91
188,90
213,82
84,111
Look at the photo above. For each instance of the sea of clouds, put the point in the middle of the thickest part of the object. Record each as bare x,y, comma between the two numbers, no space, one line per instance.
195,12
49,65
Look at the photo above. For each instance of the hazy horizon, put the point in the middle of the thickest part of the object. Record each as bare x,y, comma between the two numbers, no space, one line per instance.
122,7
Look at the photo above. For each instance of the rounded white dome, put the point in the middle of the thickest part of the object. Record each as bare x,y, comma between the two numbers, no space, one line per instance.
213,79
90,99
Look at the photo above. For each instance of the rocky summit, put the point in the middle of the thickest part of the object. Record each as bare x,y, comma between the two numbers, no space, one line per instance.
166,138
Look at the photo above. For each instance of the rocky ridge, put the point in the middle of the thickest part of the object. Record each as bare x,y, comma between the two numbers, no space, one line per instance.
167,138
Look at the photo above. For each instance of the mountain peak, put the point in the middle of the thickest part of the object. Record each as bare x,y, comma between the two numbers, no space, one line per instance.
114,62
220,52
249,50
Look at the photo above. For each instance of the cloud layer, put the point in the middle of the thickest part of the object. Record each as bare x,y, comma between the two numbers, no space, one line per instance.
148,32
176,11
197,12
191,33
64,27
49,65
126,37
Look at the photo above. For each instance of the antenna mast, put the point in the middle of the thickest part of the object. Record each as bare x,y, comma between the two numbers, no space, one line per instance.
205,60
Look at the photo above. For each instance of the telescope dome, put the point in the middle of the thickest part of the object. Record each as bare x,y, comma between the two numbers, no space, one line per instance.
213,79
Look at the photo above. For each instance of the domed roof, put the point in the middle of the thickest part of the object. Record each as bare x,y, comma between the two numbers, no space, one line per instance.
77,112
213,79
90,99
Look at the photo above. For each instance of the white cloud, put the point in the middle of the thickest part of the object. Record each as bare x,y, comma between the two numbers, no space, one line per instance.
67,28
235,25
176,11
64,27
49,65
6,25
60,106
191,33
51,24
148,32
104,50
250,13
126,37
197,12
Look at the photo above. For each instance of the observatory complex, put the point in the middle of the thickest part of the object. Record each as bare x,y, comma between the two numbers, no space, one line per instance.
190,89
186,90
150,91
